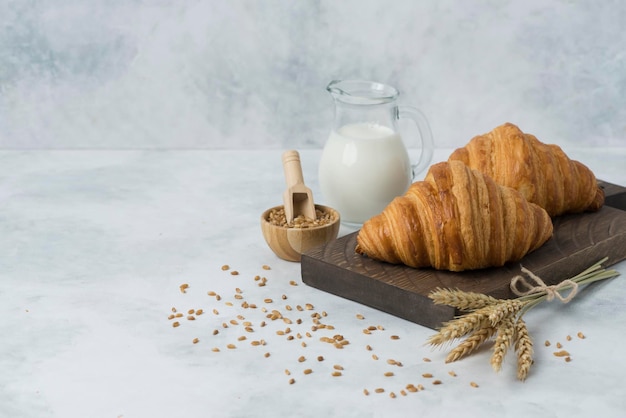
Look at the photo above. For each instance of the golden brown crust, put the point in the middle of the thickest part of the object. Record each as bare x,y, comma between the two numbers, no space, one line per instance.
456,219
541,172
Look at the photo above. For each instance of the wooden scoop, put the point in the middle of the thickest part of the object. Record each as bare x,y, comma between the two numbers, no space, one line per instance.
298,199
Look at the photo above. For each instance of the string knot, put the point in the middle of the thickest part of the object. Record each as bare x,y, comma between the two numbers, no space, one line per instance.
536,285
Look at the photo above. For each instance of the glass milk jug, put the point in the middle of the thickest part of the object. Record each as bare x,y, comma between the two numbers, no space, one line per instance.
365,163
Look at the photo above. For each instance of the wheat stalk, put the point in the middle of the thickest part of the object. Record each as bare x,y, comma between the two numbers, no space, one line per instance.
488,316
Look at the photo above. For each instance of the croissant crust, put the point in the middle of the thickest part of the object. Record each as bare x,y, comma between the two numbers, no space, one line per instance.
543,173
456,219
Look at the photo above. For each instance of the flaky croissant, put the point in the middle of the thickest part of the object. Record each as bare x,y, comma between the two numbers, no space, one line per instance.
543,173
456,219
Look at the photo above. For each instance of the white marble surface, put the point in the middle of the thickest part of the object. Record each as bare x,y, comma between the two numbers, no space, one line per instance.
94,246
241,73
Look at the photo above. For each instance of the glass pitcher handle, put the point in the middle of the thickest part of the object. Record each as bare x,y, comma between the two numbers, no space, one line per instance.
426,137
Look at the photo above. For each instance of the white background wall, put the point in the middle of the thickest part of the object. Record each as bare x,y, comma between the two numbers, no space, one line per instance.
243,73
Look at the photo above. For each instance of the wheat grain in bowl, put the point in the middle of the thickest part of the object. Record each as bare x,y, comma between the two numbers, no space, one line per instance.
290,240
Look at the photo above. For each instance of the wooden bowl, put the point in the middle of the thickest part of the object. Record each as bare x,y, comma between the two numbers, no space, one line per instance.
290,243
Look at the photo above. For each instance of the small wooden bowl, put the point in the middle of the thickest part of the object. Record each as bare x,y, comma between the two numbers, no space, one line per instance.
290,243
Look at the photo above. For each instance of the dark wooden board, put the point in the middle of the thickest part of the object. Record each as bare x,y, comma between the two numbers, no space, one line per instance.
578,241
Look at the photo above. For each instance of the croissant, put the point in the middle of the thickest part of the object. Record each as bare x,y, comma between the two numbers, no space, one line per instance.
541,172
456,219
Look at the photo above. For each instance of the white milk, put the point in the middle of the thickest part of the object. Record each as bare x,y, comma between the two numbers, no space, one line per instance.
363,167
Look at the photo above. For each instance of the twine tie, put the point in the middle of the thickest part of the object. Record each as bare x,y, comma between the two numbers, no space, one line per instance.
536,285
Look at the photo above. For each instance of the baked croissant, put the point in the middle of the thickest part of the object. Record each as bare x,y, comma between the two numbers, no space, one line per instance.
541,172
456,219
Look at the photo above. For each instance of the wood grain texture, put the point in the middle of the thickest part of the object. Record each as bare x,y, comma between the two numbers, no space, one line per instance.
578,241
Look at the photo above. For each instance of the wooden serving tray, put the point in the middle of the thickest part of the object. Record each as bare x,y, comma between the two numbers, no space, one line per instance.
578,241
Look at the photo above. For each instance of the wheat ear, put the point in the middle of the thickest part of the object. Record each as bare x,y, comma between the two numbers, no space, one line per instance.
464,301
460,327
505,309
504,336
524,349
471,343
